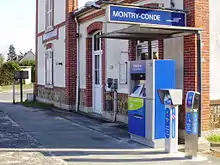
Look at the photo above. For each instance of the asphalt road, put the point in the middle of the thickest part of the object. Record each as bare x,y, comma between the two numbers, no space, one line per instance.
35,136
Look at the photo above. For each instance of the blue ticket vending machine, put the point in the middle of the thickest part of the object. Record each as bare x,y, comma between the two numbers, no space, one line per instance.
136,109
171,98
192,123
146,114
192,106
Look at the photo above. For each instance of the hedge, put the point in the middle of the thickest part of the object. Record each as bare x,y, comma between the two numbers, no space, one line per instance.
7,72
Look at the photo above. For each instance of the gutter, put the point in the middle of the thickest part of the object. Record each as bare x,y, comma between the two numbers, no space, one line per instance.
199,79
78,65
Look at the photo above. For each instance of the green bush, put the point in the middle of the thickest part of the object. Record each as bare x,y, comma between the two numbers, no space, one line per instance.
7,72
214,138
33,68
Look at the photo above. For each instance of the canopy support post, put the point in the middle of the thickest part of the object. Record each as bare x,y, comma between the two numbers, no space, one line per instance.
150,50
199,79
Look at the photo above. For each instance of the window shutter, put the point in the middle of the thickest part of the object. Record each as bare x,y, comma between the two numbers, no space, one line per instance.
52,12
46,13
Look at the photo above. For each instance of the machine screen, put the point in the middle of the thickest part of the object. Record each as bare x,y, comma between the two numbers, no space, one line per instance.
137,90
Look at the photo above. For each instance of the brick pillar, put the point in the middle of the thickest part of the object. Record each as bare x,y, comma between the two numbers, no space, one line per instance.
198,16
71,53
161,47
132,50
88,90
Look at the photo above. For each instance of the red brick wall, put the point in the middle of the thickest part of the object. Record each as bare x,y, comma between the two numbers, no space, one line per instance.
95,26
88,90
132,50
71,52
198,16
161,47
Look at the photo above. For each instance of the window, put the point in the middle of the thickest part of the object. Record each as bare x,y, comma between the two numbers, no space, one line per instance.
49,67
97,57
97,69
49,14
142,50
97,42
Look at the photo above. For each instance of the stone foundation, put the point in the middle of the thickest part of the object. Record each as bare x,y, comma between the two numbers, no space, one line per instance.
107,113
53,94
56,104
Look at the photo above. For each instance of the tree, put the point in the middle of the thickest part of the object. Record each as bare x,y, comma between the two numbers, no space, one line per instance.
7,72
11,53
2,60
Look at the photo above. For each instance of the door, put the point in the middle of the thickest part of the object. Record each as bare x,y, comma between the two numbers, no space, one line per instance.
97,72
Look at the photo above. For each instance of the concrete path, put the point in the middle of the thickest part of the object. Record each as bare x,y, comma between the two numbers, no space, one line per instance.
8,97
35,136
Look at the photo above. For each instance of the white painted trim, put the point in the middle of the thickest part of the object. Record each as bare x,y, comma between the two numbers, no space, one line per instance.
100,53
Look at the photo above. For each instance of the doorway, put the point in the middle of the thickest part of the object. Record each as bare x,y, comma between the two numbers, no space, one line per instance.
97,72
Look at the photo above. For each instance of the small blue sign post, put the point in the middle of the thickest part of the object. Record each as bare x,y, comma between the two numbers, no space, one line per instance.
171,98
167,123
137,15
170,125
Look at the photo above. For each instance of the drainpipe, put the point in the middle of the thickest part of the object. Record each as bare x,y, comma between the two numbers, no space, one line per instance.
78,66
199,79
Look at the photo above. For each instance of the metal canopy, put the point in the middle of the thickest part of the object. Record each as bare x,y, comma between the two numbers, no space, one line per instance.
150,32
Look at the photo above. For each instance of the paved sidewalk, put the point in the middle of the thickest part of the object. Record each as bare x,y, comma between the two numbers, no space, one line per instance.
61,138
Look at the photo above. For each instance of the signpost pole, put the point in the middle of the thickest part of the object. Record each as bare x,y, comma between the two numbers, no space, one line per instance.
21,90
14,92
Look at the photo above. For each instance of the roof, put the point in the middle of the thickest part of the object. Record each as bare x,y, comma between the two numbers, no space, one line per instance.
26,54
100,2
84,9
150,32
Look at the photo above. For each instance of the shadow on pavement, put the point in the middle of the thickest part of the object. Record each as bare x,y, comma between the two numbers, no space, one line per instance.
30,130
123,160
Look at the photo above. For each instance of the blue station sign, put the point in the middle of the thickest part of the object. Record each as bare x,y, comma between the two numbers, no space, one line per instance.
136,15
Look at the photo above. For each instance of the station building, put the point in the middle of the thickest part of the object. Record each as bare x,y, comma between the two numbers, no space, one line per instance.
73,64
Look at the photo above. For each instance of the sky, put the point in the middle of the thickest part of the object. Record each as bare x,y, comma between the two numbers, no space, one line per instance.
18,24
82,2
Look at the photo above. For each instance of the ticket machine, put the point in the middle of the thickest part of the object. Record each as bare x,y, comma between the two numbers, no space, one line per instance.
192,104
146,114
171,98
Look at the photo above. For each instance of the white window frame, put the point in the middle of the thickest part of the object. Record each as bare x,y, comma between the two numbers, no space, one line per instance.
99,53
49,15
49,71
